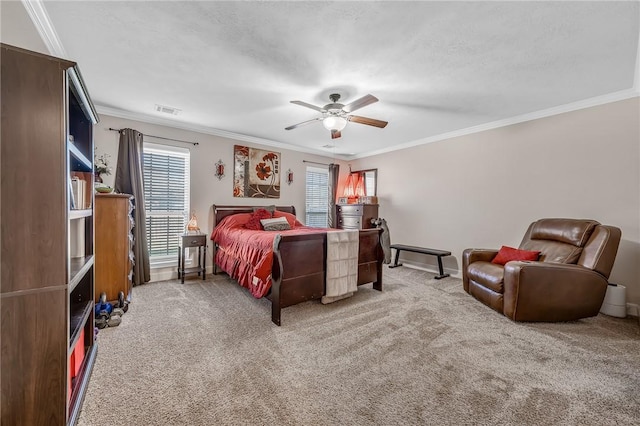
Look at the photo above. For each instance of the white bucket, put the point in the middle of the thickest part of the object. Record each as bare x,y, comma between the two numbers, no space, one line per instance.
615,301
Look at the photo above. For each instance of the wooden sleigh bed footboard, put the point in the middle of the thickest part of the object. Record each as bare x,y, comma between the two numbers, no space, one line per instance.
299,268
298,271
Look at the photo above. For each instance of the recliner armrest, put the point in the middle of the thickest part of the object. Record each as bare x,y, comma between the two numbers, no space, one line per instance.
471,255
543,291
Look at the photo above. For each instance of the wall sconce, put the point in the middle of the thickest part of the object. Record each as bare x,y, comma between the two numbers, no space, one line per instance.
220,169
289,177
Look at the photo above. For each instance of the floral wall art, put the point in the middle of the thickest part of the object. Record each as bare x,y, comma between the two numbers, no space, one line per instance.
256,173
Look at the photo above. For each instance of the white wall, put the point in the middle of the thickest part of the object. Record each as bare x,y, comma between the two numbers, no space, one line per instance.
17,29
206,189
483,190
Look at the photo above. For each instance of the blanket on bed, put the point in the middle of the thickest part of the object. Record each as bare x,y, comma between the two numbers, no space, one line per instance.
247,255
342,265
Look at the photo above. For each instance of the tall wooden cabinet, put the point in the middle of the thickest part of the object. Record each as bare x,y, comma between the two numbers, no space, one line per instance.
114,245
47,331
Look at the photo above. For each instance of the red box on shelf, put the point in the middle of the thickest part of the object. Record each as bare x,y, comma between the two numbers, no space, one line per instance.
78,355
69,379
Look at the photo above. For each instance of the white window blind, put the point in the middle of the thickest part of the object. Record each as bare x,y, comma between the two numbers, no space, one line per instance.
166,191
317,198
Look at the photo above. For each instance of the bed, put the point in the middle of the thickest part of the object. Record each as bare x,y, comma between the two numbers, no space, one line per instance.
287,267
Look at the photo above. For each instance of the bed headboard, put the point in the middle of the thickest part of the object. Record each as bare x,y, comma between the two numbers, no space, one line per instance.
220,212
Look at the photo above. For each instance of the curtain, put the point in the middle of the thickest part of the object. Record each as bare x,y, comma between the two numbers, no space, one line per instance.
334,173
129,181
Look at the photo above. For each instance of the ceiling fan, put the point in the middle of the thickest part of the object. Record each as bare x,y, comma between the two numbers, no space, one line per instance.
335,115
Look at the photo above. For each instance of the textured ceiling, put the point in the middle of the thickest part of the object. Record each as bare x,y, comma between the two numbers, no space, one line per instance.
437,67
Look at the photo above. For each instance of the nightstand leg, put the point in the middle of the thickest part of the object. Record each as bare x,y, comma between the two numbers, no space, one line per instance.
182,265
179,261
204,260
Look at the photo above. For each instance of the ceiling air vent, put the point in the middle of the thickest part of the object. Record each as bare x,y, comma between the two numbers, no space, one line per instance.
167,110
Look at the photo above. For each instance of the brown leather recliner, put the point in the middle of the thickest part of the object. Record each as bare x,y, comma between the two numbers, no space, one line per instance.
568,282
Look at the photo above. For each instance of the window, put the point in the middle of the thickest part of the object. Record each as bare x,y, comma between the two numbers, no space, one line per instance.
317,200
166,191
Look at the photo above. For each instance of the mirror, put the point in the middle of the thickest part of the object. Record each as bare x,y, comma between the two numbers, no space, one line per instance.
370,178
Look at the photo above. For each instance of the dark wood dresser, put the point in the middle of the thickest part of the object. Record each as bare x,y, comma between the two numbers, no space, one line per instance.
114,244
356,216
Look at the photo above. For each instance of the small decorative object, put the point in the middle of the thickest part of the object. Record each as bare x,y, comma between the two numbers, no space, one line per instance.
101,167
368,199
256,173
220,169
343,200
192,225
289,177
104,189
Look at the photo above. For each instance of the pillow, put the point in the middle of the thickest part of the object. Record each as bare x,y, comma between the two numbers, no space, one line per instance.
275,224
507,254
270,209
293,221
234,221
256,216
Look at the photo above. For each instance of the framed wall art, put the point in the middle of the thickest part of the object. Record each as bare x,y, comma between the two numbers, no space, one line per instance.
256,173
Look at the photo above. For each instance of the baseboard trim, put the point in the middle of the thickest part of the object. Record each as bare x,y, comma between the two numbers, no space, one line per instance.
430,268
633,310
165,274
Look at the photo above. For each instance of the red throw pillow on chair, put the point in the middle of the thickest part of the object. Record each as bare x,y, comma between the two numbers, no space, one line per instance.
507,254
254,220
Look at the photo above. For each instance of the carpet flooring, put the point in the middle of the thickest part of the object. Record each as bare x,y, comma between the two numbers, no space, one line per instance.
421,352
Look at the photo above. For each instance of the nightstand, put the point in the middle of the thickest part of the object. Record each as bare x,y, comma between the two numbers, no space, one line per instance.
190,240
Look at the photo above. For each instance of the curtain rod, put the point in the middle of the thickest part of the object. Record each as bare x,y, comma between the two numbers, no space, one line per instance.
315,162
159,137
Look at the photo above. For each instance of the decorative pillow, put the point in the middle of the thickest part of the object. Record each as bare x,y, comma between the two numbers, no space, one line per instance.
270,209
275,224
507,254
235,220
256,217
293,221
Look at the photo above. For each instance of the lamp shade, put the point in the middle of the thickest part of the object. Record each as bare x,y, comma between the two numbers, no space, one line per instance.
359,187
348,187
334,123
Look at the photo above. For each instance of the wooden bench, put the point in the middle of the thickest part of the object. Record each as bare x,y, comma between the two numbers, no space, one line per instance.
414,249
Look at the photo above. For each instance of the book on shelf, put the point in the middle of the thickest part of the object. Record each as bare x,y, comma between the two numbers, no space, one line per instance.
77,192
83,189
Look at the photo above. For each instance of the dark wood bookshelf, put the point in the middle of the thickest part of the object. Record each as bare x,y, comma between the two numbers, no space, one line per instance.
46,306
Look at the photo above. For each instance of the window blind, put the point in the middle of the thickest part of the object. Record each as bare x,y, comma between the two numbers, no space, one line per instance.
317,197
166,190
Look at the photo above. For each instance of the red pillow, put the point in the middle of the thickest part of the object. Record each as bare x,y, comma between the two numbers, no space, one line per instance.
507,254
254,220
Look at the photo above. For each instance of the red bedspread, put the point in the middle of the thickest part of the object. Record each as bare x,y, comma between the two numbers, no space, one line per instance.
247,255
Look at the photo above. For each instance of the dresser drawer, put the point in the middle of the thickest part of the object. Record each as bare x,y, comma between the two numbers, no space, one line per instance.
194,240
349,210
350,222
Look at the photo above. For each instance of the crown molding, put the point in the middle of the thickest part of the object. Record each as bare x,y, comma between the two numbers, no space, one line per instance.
42,22
128,115
574,106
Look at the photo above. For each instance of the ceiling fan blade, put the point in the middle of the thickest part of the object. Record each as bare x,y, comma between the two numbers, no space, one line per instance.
302,124
359,103
368,121
304,104
335,134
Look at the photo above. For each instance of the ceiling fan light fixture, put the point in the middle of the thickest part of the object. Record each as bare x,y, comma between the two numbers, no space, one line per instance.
334,123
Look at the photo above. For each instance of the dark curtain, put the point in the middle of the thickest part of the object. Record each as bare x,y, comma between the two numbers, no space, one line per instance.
334,173
129,181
